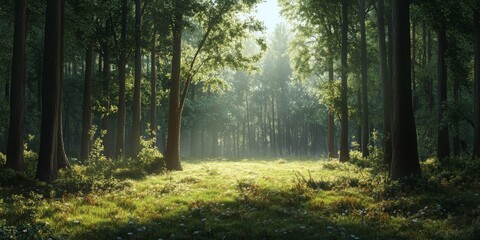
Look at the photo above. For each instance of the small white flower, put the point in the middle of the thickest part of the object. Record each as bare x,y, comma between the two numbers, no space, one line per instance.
25,230
130,234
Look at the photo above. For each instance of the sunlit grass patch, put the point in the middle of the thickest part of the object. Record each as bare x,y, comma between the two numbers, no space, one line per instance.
252,199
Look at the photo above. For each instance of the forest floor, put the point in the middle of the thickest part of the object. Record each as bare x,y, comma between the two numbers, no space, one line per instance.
244,199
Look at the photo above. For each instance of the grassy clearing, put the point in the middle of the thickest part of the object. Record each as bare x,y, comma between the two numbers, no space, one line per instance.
247,199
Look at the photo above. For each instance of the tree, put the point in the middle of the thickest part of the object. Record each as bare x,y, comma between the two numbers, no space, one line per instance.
363,59
443,146
47,159
476,96
153,84
122,62
405,161
87,103
17,96
387,142
219,45
344,154
137,103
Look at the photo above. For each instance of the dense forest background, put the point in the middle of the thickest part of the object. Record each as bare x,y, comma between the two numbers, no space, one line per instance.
96,92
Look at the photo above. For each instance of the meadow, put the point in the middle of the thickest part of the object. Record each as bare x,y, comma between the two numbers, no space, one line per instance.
243,199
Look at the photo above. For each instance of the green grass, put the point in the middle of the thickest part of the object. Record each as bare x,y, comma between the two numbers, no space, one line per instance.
253,199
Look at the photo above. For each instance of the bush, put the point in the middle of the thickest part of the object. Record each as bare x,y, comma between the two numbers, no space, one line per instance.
151,159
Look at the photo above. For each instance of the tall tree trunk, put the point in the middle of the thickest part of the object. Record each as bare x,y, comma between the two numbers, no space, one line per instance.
17,97
476,97
443,146
172,154
46,168
344,154
137,101
122,61
62,160
87,103
387,88
153,86
363,59
331,117
404,137
193,130
414,62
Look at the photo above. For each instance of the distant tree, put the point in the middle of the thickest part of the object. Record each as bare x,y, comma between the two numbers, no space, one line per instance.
137,101
443,145
17,96
344,152
405,161
364,69
386,84
122,62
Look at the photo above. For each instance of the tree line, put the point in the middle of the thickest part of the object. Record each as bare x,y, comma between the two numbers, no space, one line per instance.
360,67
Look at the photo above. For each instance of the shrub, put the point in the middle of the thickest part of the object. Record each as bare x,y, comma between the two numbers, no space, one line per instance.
150,157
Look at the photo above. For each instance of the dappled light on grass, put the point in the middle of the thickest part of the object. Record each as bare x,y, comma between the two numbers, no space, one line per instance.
250,199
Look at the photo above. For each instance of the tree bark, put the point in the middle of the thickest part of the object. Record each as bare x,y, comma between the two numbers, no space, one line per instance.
122,61
15,158
344,154
46,168
153,86
404,137
106,99
172,154
363,58
387,88
87,103
331,117
137,101
476,141
62,160
414,62
443,146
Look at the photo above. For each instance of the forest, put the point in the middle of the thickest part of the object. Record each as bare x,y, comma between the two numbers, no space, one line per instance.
194,119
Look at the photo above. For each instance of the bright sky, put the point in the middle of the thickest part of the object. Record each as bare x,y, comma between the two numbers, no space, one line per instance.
269,13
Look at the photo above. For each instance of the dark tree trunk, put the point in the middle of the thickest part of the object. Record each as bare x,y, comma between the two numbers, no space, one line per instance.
443,146
137,103
476,141
87,103
153,86
172,154
62,160
122,61
17,97
344,154
363,58
404,137
193,130
387,88
414,62
46,168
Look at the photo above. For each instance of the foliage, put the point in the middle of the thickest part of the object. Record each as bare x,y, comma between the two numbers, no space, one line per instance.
150,158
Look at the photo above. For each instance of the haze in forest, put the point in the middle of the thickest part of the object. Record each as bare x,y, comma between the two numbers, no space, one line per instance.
224,119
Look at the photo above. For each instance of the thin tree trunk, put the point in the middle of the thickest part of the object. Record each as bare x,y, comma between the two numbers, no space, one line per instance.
46,168
331,117
404,137
387,88
153,86
137,101
62,160
414,62
344,154
15,159
443,146
87,103
172,154
363,58
106,99
122,61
